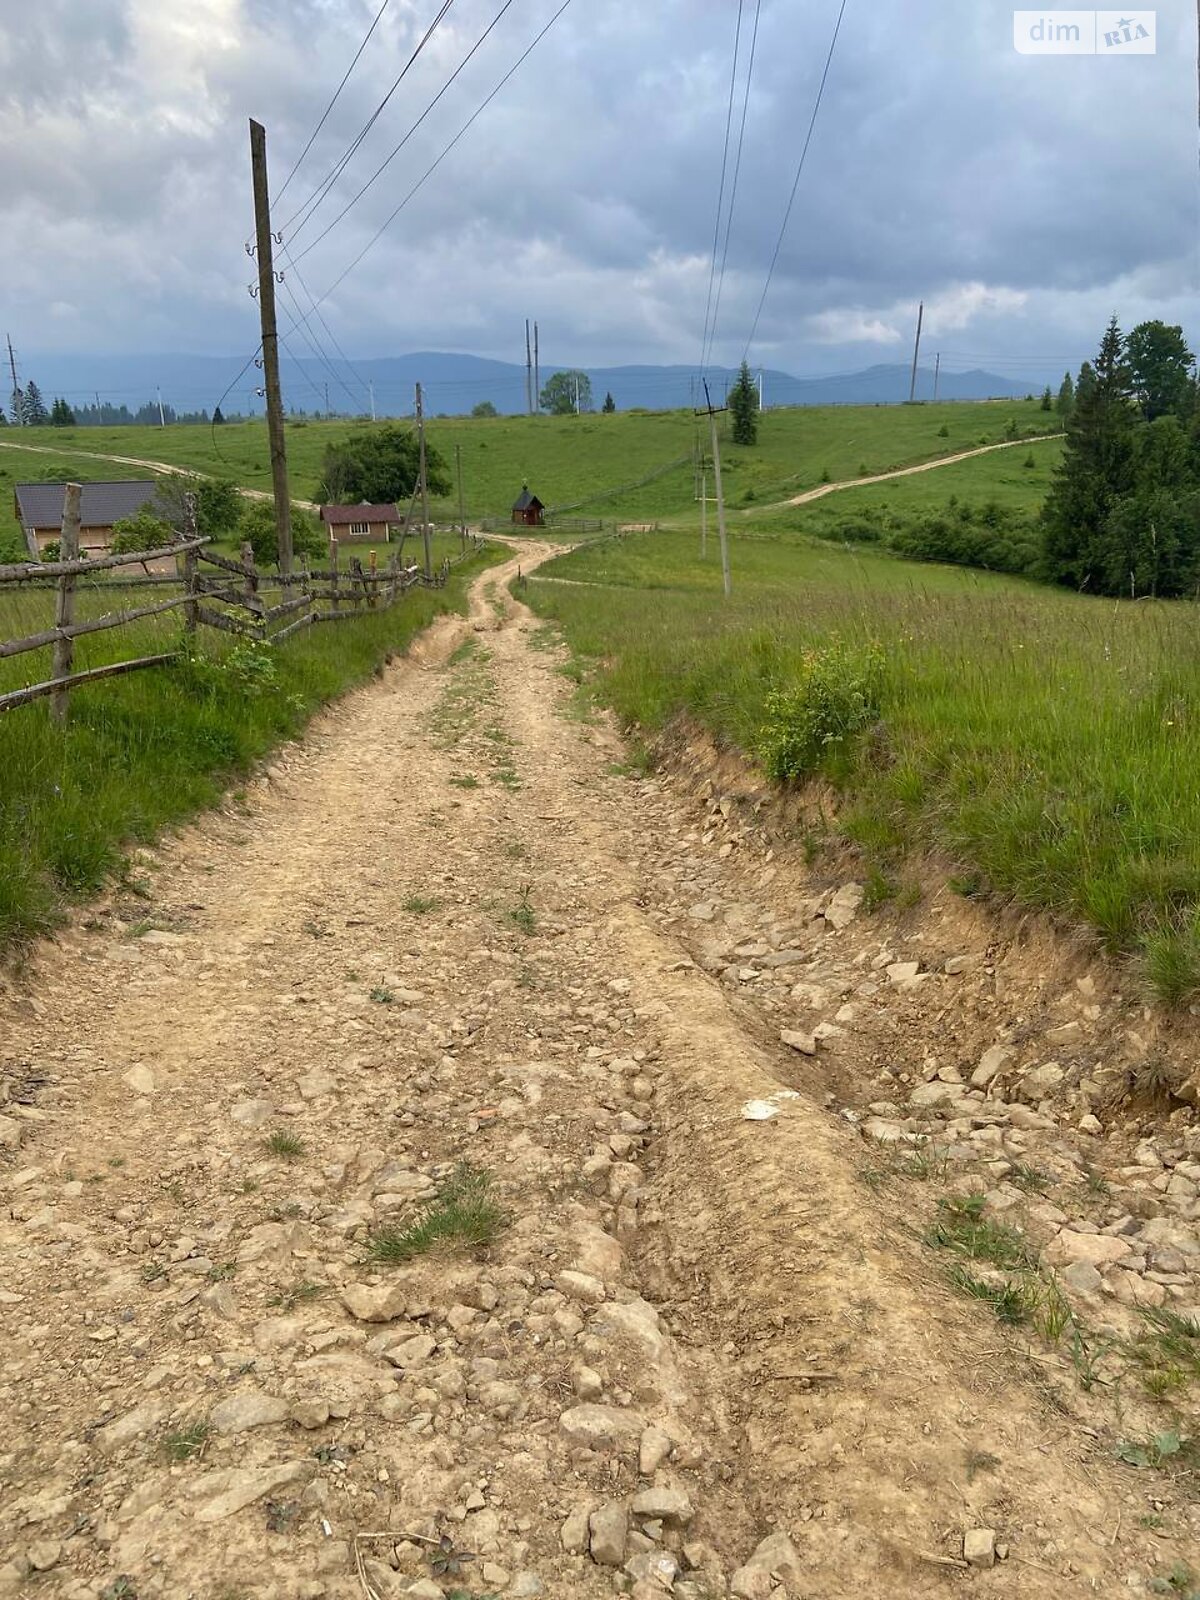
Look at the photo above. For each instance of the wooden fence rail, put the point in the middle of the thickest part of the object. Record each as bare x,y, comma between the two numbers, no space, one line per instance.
232,597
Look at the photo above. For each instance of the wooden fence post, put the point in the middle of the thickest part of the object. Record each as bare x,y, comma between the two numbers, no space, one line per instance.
333,567
394,570
191,568
251,574
64,605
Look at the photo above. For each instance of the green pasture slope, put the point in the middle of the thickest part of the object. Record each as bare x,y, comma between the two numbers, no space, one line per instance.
1045,741
564,459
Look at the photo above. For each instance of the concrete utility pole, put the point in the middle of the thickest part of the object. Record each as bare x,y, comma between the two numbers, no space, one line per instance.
270,346
424,487
713,413
912,388
162,421
462,504
537,372
327,400
371,389
937,372
703,512
762,405
16,387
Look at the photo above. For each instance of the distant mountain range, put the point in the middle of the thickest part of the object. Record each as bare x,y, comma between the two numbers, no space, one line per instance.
453,384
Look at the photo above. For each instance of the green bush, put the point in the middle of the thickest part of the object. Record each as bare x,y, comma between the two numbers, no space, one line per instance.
143,532
52,551
258,526
836,695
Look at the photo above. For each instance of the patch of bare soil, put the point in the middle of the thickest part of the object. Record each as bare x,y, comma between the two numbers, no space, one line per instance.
415,1196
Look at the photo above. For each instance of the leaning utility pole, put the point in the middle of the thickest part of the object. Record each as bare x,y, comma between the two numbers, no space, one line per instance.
270,346
912,388
537,373
713,413
462,505
424,487
18,407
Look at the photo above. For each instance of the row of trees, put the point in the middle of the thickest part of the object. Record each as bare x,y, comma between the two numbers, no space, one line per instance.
27,408
1123,513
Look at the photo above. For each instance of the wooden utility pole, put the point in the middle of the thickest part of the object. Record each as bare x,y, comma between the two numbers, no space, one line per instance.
537,372
462,504
64,604
270,346
528,371
703,512
424,486
912,388
937,372
19,418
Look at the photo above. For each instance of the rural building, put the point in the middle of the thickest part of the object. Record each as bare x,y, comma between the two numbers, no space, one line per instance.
528,509
39,508
365,523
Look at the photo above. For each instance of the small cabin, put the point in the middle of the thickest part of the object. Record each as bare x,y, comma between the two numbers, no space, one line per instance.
364,523
528,510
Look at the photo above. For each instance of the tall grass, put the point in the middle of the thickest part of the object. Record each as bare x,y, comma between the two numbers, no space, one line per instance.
140,753
1048,742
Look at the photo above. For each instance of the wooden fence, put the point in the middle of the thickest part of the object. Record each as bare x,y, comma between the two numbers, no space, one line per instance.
211,590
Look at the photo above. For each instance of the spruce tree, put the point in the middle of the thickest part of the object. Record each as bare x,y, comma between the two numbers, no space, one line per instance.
1047,399
35,412
218,417
743,407
610,405
1096,469
61,415
1066,397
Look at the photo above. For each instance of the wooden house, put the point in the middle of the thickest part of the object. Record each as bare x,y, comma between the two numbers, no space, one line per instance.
39,509
361,524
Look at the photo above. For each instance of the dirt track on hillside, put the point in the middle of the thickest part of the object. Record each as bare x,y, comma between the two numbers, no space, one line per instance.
896,472
171,468
448,927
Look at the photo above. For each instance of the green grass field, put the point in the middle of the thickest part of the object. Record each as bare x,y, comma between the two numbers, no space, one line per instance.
1047,743
143,752
564,459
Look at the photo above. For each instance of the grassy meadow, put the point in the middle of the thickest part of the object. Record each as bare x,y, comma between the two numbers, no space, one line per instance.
565,460
146,751
1047,743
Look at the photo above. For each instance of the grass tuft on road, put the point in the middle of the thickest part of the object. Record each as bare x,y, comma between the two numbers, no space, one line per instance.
465,1214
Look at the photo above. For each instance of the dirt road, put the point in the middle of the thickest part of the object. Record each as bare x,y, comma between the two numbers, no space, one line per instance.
823,489
171,468
449,928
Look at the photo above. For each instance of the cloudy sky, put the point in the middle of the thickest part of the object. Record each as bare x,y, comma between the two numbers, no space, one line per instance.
1023,198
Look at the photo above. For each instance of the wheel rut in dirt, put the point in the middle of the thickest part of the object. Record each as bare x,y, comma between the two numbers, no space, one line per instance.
439,969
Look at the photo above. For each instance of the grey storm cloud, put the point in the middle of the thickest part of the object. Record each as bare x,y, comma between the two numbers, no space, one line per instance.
1023,199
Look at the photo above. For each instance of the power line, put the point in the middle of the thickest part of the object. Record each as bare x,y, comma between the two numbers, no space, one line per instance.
304,215
737,168
334,101
379,171
434,165
712,271
812,122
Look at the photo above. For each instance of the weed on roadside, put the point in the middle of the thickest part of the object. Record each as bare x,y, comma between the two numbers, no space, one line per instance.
288,1146
464,1213
419,905
299,1294
523,915
382,995
961,1226
1008,1299
185,1443
468,781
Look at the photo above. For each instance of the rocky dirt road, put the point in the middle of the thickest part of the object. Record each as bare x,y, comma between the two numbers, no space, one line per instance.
450,941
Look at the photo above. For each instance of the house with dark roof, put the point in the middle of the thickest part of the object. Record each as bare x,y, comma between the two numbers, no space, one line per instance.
39,508
528,509
364,523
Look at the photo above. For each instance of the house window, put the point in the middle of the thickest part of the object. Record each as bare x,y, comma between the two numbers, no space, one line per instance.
359,529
